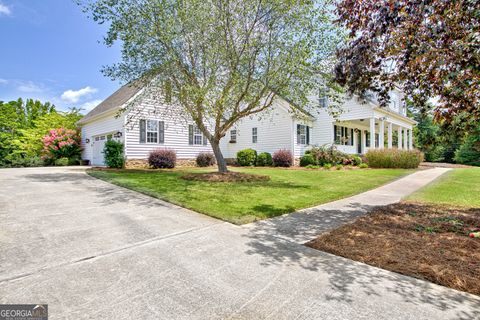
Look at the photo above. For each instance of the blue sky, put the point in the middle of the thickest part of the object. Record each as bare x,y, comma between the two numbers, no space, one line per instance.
52,52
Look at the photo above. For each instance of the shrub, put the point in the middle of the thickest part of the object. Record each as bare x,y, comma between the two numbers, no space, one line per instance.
327,166
25,162
339,167
205,159
469,151
246,157
307,160
394,158
264,159
162,158
327,154
61,162
356,160
282,158
113,154
61,143
363,165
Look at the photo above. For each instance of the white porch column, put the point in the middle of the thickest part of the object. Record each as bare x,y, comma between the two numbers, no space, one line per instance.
410,139
364,141
400,145
381,134
389,135
372,133
405,138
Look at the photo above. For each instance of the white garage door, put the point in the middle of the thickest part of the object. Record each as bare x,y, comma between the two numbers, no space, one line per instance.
98,145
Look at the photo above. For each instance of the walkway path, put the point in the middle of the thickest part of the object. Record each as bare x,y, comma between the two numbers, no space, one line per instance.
305,225
93,250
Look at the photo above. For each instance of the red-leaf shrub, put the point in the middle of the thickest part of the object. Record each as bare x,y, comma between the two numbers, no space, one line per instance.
61,143
282,158
162,158
205,159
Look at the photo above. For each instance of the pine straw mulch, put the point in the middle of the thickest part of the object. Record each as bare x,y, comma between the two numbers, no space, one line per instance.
429,242
225,177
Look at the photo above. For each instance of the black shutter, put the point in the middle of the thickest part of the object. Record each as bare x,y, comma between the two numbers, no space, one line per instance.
351,137
143,132
161,132
308,135
190,134
298,134
335,134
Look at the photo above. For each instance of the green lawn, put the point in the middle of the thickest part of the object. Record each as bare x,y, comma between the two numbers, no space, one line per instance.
459,187
287,190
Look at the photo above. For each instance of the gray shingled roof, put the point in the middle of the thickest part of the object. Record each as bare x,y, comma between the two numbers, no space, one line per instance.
116,100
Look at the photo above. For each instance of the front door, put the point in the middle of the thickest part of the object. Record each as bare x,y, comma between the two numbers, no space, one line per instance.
359,140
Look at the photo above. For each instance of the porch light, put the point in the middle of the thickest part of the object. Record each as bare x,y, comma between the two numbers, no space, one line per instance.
87,140
118,134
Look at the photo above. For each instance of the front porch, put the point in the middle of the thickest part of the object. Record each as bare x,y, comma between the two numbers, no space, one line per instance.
361,135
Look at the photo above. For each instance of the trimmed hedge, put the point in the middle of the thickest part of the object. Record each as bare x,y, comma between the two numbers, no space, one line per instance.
205,159
246,157
264,159
394,158
162,158
282,158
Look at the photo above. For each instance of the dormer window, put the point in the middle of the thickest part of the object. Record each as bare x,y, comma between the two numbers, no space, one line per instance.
322,98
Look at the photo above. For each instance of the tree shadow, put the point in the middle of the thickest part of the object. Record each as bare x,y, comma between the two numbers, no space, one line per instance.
279,241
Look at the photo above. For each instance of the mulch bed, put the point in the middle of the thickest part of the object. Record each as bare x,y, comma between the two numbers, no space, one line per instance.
225,177
429,242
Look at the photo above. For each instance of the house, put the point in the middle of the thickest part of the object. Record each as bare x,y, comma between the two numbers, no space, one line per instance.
152,125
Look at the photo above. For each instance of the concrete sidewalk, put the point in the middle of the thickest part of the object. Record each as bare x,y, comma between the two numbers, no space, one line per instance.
92,250
304,225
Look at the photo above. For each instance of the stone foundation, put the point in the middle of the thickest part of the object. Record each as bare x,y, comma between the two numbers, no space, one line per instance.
143,163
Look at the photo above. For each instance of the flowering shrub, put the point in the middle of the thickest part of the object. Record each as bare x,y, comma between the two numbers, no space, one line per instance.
282,158
61,143
162,158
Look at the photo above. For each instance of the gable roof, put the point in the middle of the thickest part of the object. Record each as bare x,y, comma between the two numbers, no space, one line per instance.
113,102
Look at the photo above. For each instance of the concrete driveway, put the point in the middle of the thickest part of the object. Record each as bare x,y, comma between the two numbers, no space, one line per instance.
93,250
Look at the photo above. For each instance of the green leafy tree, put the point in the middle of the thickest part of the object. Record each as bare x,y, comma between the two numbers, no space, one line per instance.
221,61
430,47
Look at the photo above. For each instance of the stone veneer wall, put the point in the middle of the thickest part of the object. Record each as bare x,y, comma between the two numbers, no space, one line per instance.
143,163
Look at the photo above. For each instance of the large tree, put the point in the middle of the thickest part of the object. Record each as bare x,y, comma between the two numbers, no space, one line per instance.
221,60
429,47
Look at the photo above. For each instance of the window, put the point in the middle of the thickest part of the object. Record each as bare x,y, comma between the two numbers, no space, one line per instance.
152,131
195,136
303,134
343,135
254,135
367,139
233,136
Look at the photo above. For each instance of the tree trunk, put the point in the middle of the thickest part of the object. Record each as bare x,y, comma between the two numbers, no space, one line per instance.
221,164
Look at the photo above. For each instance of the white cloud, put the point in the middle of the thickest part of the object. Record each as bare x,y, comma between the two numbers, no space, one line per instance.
89,105
3,81
29,87
74,96
5,10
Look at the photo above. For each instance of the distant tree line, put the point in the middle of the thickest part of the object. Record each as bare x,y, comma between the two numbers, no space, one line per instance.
23,125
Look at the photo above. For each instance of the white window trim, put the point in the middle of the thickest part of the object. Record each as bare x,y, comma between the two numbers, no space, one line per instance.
154,131
233,136
303,136
197,133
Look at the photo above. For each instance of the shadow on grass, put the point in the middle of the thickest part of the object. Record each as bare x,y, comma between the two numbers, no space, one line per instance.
272,240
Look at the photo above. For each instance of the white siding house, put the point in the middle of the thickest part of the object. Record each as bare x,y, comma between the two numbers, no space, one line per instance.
154,125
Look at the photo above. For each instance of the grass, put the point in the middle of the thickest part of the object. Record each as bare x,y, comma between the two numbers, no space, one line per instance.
244,202
459,187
